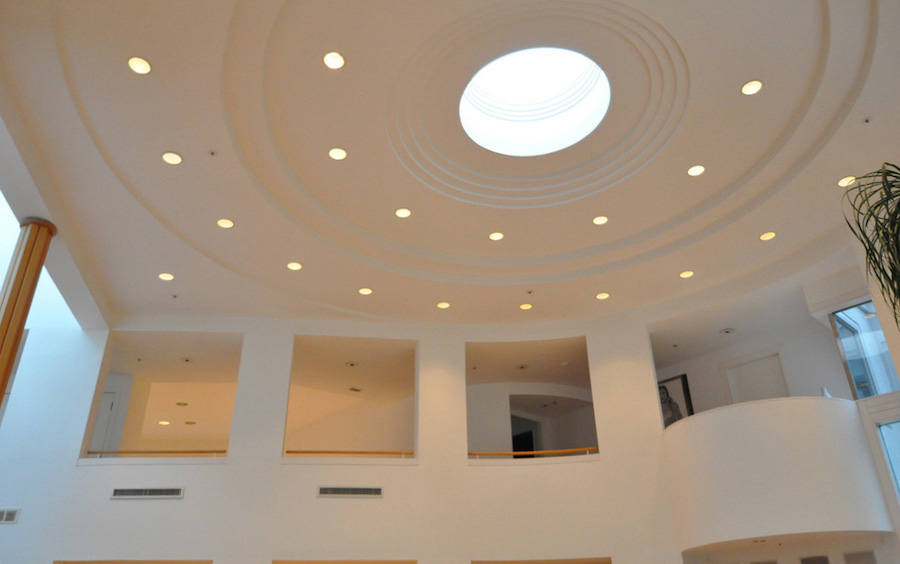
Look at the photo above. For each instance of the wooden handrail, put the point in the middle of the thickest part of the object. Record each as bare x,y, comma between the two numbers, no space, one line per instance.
585,450
403,453
202,452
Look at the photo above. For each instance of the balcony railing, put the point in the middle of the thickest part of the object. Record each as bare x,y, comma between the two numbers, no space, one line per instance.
536,453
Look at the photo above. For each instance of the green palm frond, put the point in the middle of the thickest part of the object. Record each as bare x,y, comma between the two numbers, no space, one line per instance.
875,221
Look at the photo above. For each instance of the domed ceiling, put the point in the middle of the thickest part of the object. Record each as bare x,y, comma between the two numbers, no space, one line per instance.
240,91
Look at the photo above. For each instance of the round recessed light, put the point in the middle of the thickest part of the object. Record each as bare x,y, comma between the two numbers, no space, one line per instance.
190,422
686,274
526,306
534,102
846,181
403,213
337,153
164,423
751,88
365,291
225,223
600,220
294,266
333,60
139,65
443,305
602,296
496,236
767,236
166,276
696,170
181,404
172,158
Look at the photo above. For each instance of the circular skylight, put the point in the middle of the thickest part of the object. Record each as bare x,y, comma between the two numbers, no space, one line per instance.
534,102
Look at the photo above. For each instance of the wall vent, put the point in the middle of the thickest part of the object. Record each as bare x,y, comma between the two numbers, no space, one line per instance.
349,492
148,493
9,516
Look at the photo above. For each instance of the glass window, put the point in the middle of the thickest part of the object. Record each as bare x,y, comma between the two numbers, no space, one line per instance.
866,357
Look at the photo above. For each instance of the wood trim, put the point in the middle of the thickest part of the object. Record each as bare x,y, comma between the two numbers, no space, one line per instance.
585,450
18,289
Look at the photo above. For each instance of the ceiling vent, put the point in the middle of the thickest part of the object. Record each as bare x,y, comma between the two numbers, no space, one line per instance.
349,492
148,493
9,516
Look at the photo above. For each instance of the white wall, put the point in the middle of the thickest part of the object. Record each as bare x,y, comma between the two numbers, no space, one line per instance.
255,506
809,357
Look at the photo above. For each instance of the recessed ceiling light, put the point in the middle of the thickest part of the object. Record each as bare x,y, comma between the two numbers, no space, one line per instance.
294,266
443,305
600,220
225,223
602,296
139,65
333,60
767,236
696,170
166,276
526,306
181,404
403,213
846,181
751,88
337,153
686,274
164,423
496,236
172,158
365,291
534,102
190,422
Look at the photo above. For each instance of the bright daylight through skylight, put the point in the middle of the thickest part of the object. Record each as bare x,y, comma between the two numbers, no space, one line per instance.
534,102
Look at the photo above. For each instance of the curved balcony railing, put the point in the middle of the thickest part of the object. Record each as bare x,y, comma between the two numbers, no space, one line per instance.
536,453
102,453
400,453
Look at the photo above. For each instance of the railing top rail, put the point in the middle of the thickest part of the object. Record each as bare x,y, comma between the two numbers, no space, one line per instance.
536,452
354,452
157,452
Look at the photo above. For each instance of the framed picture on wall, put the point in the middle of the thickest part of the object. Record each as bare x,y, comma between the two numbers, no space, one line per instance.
675,399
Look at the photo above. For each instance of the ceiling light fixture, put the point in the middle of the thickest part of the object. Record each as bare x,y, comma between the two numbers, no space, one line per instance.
496,236
139,65
751,88
337,153
294,266
443,305
181,404
846,181
225,223
164,423
165,276
767,236
600,220
403,213
365,291
602,296
525,307
686,274
534,102
172,158
190,422
696,170
333,60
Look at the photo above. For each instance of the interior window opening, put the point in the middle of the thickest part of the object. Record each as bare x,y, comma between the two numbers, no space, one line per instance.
166,394
351,397
529,399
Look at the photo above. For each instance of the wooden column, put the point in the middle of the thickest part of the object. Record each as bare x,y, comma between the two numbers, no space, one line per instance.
18,289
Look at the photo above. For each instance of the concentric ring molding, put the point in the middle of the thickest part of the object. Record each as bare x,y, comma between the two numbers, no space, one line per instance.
641,59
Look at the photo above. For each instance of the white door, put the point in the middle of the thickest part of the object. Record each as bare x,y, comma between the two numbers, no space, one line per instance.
757,379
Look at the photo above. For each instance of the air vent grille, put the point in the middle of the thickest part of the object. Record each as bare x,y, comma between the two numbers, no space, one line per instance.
9,516
148,493
349,492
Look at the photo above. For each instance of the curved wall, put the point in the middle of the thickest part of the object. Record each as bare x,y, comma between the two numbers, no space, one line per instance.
772,467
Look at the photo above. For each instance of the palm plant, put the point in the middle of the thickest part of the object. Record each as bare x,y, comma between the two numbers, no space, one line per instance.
875,221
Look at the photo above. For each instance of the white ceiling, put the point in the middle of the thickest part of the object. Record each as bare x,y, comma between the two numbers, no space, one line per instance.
239,89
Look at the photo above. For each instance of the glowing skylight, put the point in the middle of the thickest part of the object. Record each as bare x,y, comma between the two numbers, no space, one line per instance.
534,102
